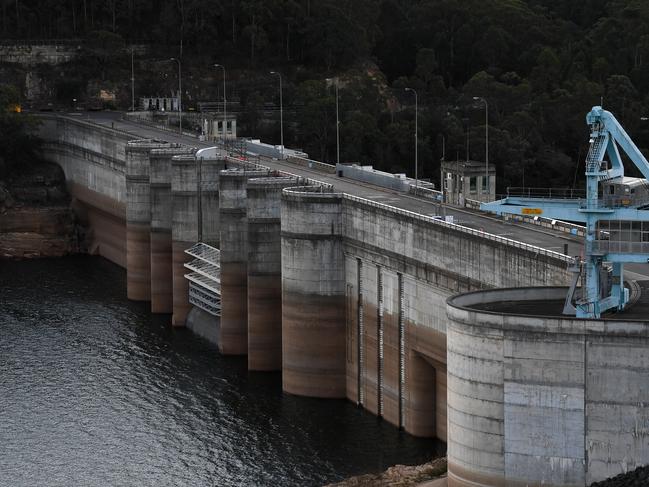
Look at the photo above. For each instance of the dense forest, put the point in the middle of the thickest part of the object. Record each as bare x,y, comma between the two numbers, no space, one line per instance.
539,64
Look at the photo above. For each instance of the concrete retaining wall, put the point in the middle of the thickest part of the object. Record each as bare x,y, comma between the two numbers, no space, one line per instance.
432,260
94,162
545,400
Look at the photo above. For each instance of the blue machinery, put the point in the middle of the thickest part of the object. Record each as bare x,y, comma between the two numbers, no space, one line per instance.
615,211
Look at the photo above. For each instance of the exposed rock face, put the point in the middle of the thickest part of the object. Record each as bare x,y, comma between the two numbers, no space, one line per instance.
399,475
35,215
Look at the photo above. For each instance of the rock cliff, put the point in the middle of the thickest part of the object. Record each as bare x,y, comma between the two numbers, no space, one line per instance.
36,219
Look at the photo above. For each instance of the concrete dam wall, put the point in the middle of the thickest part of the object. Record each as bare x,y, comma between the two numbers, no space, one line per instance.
346,296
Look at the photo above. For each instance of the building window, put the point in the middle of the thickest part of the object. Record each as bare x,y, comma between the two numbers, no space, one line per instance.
472,184
485,184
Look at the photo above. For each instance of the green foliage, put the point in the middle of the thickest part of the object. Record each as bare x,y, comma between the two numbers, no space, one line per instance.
540,64
19,146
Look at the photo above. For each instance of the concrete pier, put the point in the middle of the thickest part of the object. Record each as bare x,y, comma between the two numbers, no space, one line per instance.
313,293
138,218
184,230
265,272
161,215
234,259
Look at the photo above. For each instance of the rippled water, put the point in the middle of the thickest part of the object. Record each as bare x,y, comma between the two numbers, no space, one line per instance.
94,390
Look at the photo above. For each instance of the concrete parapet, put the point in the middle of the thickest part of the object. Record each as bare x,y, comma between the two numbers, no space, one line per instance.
234,259
313,294
265,272
138,218
543,400
161,250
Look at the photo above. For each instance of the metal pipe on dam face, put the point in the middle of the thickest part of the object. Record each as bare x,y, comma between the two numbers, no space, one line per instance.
265,272
313,294
138,218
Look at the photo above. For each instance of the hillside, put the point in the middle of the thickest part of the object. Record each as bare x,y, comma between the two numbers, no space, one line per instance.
539,64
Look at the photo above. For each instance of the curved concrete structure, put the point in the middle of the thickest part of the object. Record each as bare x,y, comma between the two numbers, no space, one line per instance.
138,218
161,251
265,272
543,400
313,293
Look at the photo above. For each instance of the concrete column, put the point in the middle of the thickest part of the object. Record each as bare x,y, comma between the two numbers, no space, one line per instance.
161,254
184,230
313,294
138,218
265,272
234,260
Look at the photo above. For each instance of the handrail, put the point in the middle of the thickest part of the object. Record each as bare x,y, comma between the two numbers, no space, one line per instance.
480,233
435,221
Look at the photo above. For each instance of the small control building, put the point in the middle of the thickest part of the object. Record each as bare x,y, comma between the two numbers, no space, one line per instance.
468,180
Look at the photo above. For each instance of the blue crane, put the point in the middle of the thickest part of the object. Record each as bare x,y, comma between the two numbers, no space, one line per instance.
613,211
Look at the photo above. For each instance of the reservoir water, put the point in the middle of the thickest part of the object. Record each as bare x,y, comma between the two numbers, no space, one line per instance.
96,391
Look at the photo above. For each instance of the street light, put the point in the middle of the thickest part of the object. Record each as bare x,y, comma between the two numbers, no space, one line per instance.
416,139
132,78
180,95
281,112
225,123
486,138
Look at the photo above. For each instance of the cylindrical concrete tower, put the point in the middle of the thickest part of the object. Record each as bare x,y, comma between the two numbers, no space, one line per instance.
313,293
138,218
234,258
536,397
161,274
265,272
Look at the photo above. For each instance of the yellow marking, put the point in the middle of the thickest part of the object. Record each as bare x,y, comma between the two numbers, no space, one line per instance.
532,211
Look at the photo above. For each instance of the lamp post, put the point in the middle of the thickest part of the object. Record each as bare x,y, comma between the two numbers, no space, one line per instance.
416,139
225,119
180,95
281,112
132,79
337,127
486,138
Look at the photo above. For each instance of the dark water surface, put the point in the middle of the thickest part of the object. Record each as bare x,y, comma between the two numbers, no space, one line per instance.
95,391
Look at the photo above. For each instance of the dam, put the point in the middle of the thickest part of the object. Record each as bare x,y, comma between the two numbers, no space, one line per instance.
341,286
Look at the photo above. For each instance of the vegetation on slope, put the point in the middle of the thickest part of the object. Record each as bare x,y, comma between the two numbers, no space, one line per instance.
540,64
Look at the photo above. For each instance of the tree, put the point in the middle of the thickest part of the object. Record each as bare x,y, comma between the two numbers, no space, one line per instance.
19,144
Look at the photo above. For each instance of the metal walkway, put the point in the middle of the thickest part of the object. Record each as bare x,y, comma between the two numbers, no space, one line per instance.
204,278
